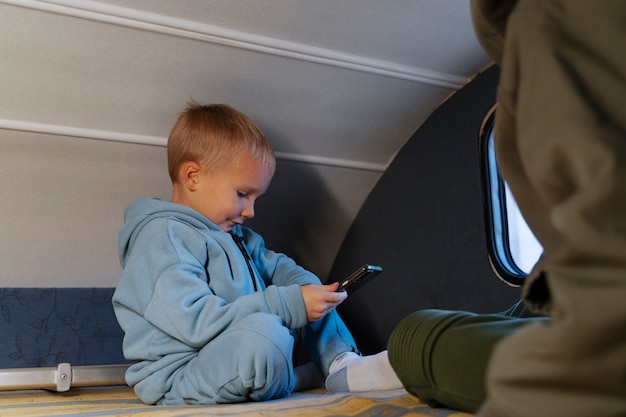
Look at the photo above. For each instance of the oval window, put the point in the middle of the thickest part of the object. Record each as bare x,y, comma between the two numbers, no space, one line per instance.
513,249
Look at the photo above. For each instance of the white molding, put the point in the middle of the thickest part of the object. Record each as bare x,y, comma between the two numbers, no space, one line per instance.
122,16
81,133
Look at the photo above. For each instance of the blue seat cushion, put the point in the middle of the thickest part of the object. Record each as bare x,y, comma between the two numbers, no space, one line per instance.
47,326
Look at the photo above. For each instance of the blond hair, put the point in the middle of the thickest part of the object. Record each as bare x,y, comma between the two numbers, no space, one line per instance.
213,135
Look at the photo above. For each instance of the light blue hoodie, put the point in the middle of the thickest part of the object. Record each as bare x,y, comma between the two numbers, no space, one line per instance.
185,281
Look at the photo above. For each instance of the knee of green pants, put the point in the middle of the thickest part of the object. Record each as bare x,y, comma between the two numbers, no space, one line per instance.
441,356
410,348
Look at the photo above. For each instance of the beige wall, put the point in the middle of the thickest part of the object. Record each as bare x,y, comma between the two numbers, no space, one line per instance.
338,94
63,201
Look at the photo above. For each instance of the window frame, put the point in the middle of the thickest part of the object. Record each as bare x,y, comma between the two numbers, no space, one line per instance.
495,208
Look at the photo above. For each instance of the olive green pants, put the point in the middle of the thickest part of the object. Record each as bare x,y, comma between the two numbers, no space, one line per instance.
441,356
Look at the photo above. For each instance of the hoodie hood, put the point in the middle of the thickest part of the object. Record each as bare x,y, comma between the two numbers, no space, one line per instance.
140,212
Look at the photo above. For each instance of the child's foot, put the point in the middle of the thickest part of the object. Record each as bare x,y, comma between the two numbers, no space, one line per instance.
350,372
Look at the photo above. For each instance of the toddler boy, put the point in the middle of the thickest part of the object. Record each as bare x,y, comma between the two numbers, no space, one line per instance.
210,314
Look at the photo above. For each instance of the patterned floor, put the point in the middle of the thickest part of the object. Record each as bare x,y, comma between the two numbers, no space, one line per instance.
121,401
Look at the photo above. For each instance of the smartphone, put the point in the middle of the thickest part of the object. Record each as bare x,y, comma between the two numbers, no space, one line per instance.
359,277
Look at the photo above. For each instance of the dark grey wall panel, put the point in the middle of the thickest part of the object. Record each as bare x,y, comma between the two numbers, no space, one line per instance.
424,224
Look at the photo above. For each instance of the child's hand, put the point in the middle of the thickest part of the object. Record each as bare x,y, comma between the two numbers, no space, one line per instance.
321,299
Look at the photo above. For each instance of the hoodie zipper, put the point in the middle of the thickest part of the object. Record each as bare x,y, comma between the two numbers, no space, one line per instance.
239,241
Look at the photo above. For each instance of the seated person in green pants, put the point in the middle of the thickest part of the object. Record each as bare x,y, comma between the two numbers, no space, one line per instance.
560,138
441,356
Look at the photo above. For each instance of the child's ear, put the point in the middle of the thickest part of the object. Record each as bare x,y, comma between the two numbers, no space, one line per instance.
190,175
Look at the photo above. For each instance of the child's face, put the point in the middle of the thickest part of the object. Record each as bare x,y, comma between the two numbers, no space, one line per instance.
227,197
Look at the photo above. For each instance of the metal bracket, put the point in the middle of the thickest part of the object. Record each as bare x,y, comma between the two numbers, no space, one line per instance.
64,377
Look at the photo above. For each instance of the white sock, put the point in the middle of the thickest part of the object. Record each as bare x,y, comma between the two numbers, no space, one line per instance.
342,360
350,372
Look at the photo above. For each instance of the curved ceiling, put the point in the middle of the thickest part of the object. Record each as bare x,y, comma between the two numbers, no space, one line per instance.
337,80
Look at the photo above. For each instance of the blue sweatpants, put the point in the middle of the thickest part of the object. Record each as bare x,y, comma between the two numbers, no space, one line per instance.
252,360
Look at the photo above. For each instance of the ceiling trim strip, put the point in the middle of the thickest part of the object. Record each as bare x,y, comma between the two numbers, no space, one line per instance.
126,17
82,133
